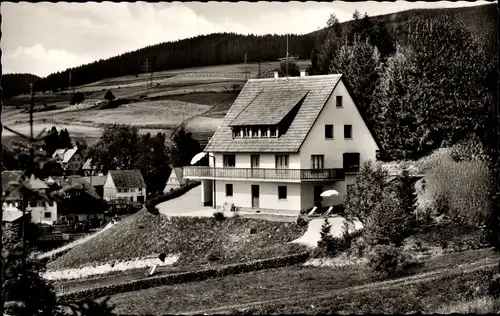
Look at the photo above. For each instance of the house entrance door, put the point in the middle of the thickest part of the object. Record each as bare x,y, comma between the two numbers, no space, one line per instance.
255,196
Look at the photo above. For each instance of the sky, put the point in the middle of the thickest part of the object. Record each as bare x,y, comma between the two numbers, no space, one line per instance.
42,38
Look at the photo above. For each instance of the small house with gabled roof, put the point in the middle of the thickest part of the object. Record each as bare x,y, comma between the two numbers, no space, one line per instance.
71,159
175,181
41,211
283,142
125,185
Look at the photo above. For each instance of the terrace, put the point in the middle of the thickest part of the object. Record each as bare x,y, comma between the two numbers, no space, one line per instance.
288,175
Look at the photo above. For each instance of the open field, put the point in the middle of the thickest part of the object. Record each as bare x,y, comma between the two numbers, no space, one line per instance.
222,242
300,286
198,97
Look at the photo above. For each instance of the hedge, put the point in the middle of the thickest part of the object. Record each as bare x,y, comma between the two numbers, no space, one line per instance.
184,277
150,204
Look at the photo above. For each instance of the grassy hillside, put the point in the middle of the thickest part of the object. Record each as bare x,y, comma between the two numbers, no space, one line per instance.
195,239
197,98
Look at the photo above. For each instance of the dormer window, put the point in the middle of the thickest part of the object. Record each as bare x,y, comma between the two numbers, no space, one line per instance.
255,132
273,132
263,132
246,131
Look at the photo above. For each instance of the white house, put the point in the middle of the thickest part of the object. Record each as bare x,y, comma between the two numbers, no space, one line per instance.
42,212
283,142
71,159
125,185
175,180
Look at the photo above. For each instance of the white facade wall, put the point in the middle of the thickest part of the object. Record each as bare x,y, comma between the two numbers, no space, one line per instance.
268,197
348,114
266,160
38,213
110,191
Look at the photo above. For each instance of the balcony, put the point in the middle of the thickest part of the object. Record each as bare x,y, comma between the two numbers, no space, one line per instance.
293,175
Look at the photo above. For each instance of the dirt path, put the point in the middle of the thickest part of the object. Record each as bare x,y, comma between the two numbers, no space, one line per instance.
381,285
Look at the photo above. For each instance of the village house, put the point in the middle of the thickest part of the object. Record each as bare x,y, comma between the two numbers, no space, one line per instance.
80,203
41,211
285,141
125,185
98,183
175,181
71,159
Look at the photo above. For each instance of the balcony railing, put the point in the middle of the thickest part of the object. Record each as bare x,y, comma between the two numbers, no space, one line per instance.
196,172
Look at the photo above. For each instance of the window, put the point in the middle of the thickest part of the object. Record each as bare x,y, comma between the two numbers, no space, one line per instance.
254,159
47,214
255,132
339,101
351,162
229,189
348,131
273,131
229,160
281,161
317,161
282,192
329,131
263,132
236,132
246,131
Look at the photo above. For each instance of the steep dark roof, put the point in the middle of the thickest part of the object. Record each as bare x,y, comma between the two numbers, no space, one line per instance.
82,184
319,90
269,107
127,178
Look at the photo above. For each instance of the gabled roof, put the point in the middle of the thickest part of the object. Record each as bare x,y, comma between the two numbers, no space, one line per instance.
81,183
269,107
179,174
87,165
96,180
127,178
318,89
10,176
65,154
11,215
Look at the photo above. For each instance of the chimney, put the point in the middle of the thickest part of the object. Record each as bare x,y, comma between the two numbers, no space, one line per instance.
303,73
276,74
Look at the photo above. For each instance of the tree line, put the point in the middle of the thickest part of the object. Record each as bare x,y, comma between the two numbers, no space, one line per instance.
428,89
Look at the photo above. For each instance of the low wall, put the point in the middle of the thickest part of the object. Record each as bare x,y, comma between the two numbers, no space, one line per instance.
184,277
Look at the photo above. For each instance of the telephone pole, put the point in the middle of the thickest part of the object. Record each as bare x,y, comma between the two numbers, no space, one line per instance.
246,68
69,88
286,63
259,74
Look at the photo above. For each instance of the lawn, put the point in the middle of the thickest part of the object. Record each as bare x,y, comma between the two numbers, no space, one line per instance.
298,283
200,242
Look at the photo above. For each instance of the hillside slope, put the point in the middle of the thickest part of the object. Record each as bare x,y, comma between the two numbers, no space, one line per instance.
199,241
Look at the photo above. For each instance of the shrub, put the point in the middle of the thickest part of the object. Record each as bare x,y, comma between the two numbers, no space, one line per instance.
219,216
328,244
388,260
109,96
386,223
301,220
77,98
460,189
367,191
